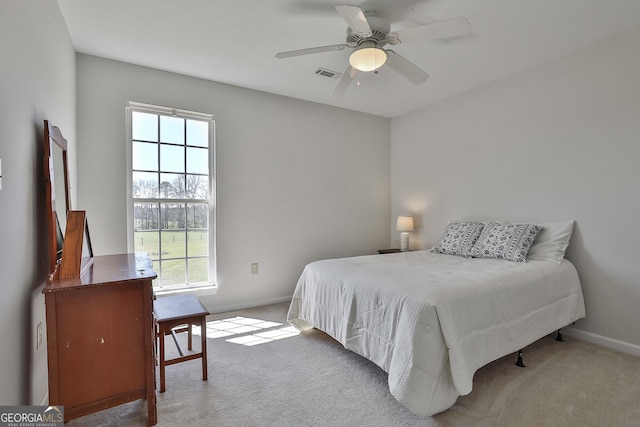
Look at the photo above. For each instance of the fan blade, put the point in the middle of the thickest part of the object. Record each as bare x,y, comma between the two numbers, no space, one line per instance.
344,82
405,68
311,50
437,30
356,20
391,11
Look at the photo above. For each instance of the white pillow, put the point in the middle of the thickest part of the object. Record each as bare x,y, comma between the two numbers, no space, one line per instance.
551,243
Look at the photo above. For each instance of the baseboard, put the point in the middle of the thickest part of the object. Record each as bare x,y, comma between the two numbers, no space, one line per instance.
623,346
249,304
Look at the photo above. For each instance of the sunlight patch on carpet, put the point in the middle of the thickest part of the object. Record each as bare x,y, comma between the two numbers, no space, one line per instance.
252,331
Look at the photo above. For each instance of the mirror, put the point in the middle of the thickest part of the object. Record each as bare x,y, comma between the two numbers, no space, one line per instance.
60,194
58,202
57,199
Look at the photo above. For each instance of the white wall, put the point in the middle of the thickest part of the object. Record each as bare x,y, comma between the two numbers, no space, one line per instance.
560,141
296,181
37,82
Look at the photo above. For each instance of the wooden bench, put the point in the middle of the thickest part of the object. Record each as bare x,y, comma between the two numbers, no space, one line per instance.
186,311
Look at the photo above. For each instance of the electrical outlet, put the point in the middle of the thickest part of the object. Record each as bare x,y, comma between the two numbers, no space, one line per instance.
254,268
39,335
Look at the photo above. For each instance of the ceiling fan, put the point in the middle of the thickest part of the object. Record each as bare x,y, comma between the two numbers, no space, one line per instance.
368,34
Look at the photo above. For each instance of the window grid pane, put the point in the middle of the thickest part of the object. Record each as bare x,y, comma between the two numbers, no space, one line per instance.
144,126
172,158
198,270
197,160
197,133
145,156
172,130
173,272
145,185
172,185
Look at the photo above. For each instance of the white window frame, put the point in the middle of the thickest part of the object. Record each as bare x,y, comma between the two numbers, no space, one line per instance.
131,106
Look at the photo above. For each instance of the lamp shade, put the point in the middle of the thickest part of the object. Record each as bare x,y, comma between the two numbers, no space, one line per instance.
368,58
405,223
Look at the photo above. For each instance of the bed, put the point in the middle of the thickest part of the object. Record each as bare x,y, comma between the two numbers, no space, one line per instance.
430,319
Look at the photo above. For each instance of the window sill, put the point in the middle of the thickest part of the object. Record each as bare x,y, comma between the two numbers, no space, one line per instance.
200,290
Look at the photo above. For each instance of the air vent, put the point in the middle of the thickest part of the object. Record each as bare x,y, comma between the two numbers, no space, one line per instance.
328,73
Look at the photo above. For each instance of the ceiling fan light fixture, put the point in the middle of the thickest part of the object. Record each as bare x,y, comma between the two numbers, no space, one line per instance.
367,57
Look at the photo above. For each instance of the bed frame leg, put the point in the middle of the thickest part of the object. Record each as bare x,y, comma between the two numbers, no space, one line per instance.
559,336
519,361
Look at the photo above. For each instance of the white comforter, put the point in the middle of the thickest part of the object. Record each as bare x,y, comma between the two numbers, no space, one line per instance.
430,320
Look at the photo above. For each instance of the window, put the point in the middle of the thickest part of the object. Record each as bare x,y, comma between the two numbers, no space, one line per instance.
171,194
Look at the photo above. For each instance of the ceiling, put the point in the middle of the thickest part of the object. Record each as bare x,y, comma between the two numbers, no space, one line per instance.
235,41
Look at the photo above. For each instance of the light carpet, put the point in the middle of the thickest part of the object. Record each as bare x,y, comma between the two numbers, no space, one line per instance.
311,380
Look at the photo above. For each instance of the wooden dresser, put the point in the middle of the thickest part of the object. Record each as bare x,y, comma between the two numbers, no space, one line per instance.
100,337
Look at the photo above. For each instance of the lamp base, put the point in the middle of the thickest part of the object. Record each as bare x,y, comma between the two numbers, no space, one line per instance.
404,242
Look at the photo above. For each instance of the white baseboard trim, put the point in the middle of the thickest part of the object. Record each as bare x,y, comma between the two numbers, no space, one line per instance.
249,304
612,343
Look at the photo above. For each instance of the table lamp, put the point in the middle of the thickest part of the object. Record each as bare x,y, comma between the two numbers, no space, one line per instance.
404,225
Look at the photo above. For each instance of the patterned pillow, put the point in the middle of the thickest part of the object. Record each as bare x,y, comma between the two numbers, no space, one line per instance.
505,241
458,238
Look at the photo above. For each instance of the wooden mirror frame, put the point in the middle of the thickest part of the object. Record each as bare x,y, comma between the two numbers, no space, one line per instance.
53,140
77,253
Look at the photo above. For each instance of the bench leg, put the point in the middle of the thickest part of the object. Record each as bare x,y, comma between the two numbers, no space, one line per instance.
203,337
203,354
162,360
